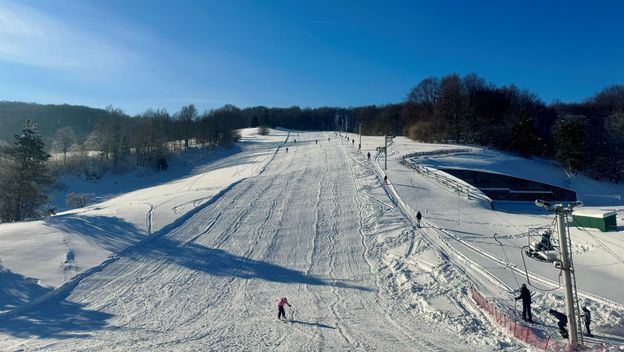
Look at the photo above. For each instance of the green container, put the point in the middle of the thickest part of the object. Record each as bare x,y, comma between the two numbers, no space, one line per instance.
595,218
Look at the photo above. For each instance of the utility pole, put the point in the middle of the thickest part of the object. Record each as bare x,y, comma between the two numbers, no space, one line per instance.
360,134
386,153
565,262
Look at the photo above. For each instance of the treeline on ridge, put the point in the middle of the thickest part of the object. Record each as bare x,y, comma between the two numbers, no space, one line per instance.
583,137
586,136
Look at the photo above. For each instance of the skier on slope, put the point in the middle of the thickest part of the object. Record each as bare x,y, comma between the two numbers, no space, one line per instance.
368,155
418,217
280,308
386,179
525,295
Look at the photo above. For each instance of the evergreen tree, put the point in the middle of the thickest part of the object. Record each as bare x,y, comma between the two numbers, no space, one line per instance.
23,176
570,142
524,138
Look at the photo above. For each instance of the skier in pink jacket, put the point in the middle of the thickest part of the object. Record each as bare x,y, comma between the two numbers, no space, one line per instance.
280,308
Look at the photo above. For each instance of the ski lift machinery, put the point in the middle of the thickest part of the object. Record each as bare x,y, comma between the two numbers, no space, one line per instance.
542,245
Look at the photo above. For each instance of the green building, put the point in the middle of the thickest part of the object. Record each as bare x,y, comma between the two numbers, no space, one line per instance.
595,218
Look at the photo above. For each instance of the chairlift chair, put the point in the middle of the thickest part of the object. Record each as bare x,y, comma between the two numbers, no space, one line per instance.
541,246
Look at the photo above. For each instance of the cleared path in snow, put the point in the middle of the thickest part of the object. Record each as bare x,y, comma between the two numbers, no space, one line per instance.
303,229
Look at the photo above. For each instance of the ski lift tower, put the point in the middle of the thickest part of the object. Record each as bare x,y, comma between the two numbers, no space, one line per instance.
565,264
386,140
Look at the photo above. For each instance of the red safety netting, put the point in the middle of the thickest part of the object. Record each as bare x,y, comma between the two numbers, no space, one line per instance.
520,330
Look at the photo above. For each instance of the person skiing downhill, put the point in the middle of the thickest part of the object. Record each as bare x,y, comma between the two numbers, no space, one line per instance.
368,155
280,308
418,217
525,295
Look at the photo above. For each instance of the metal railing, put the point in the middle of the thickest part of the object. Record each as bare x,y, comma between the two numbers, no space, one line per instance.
469,191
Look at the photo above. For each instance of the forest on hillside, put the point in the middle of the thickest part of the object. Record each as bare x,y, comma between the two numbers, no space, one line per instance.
587,136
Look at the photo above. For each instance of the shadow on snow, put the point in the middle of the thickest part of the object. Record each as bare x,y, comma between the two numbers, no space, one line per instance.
218,262
109,232
16,290
61,318
319,325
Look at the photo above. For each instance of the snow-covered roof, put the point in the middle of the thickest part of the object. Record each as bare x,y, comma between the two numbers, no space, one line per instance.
593,213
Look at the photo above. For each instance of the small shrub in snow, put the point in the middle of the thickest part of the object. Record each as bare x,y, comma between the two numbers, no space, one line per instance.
49,211
78,200
162,164
263,130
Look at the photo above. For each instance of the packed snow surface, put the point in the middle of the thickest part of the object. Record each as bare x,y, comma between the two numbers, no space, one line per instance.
199,262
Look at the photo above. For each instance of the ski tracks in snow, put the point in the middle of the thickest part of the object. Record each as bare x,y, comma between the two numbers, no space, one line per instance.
316,225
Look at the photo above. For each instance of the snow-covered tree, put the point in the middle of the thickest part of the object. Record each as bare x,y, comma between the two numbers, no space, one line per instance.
23,176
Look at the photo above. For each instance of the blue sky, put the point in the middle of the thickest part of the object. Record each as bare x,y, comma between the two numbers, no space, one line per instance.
140,54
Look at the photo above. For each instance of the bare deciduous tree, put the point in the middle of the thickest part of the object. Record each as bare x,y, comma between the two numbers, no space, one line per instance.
64,139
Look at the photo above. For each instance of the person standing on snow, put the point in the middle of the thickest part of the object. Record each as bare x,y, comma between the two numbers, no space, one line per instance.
587,319
418,217
368,155
386,179
280,308
525,295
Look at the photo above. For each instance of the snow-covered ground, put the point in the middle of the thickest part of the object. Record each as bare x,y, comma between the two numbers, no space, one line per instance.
197,263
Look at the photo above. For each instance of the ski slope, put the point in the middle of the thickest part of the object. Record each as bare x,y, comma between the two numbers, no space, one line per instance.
198,263
314,225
